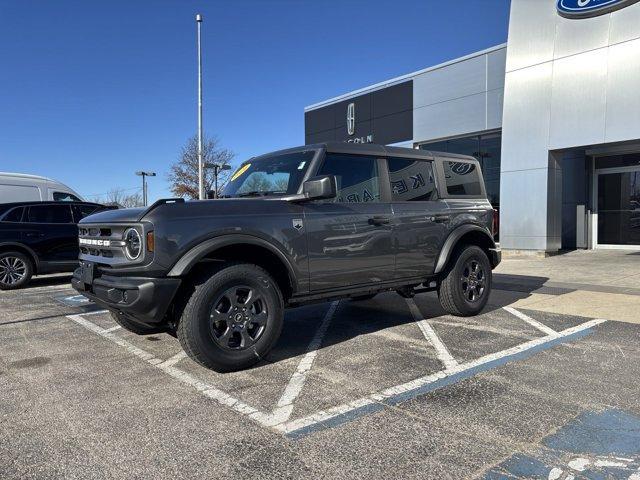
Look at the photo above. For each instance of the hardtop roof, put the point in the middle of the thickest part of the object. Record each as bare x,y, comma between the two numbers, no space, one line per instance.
372,149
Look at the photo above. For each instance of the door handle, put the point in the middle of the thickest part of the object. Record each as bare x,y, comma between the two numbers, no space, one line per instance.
35,234
379,220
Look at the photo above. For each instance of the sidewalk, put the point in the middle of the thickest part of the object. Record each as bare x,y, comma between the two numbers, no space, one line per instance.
589,283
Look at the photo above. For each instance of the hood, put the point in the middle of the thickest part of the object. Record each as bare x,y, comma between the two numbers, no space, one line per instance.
115,216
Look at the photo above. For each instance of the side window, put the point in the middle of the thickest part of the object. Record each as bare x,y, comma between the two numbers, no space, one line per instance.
411,180
81,211
50,214
462,178
357,177
65,197
13,215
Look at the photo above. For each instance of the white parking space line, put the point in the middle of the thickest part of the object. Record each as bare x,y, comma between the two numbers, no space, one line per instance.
284,407
169,368
534,323
430,334
398,390
97,312
173,360
113,329
278,420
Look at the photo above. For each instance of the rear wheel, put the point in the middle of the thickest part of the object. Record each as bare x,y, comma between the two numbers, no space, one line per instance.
16,269
233,318
465,289
133,326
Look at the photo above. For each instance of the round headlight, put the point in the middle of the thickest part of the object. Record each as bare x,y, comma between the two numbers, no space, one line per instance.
132,243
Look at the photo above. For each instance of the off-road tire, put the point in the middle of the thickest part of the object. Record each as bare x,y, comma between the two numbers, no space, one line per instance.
450,290
133,326
26,270
195,328
363,298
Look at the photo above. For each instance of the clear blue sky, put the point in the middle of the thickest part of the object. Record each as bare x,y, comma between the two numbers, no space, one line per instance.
91,91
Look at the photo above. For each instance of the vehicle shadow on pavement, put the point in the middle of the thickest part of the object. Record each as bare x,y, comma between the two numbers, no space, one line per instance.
526,284
357,319
48,281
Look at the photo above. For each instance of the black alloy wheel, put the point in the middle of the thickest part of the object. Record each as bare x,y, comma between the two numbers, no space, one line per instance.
473,280
233,318
239,318
465,284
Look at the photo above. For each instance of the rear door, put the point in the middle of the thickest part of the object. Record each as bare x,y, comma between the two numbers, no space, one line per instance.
52,233
349,237
420,218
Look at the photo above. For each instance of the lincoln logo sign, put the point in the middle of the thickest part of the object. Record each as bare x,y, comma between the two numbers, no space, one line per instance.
590,8
351,118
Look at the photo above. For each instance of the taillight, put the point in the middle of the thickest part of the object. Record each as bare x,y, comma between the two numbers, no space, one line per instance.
495,225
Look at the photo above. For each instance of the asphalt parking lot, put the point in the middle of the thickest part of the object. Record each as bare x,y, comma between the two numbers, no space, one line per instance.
387,388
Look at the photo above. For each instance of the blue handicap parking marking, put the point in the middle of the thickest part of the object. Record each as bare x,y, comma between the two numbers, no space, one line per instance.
74,301
596,445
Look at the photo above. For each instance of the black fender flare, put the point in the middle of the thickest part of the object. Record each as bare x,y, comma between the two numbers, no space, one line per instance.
452,240
197,253
22,246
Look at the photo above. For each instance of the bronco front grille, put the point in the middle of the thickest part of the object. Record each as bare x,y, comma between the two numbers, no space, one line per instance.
103,243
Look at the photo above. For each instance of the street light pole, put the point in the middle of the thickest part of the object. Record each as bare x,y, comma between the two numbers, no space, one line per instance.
200,163
217,168
144,176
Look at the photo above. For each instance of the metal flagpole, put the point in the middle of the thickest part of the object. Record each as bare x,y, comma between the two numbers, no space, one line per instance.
200,161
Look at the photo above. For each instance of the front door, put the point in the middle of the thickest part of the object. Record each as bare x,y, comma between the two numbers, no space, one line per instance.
618,200
349,237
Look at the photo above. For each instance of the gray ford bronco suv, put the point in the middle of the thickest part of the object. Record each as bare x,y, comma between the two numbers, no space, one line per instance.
307,224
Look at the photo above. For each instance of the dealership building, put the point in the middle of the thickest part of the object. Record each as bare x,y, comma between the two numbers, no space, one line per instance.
553,116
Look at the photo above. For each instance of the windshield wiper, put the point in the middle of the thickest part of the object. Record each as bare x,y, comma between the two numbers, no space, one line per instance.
259,193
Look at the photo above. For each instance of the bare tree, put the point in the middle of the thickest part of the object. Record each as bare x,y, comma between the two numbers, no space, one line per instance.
120,197
184,173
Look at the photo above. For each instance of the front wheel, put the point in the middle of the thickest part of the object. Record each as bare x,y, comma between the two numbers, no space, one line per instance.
465,289
233,318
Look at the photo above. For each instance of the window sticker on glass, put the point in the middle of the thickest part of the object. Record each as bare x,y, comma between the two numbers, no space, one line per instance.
240,171
302,164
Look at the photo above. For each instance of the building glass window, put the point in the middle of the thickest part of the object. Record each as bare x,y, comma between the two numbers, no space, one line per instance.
489,156
486,149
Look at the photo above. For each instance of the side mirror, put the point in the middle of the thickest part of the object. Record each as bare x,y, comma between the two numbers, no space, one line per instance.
318,188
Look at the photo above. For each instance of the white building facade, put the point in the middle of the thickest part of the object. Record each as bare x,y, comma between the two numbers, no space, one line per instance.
553,116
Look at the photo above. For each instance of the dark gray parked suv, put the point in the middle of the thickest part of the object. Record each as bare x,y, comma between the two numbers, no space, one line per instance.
308,224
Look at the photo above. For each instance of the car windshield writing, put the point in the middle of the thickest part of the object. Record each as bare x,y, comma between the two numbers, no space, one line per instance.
278,174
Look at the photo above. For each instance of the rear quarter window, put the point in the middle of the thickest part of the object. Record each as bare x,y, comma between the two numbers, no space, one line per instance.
462,178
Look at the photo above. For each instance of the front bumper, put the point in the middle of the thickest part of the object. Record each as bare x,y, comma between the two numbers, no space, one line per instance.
144,299
495,257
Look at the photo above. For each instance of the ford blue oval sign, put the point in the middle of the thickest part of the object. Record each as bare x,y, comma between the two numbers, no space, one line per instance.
590,8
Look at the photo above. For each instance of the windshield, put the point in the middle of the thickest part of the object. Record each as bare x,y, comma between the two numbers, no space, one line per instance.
273,175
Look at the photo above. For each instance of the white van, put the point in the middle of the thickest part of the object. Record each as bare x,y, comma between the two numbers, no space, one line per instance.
19,187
